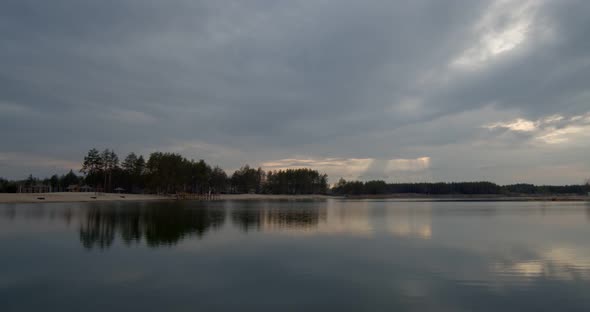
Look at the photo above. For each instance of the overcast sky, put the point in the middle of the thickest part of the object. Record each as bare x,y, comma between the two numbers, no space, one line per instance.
423,90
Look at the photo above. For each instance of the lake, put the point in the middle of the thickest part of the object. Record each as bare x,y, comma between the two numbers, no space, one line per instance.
333,255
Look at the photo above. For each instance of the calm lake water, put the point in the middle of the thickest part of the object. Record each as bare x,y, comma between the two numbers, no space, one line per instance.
332,255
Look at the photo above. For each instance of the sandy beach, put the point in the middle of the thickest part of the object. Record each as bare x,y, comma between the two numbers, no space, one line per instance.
88,197
73,197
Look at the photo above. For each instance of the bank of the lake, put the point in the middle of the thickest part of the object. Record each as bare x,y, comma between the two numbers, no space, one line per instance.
64,197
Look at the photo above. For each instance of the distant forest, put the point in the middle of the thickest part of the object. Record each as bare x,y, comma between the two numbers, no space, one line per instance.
344,187
170,173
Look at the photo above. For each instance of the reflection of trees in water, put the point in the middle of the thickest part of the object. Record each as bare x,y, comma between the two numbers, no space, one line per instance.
160,224
247,219
96,230
277,217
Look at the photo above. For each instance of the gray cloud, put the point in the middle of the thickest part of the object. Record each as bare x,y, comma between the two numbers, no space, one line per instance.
257,82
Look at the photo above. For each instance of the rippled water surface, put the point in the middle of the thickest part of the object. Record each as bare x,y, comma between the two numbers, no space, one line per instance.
329,255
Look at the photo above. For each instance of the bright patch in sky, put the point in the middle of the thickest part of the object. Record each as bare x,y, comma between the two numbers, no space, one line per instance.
503,28
417,164
516,125
563,135
554,129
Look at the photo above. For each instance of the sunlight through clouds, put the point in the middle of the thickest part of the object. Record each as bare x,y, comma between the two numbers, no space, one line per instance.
564,135
554,129
417,164
516,125
503,27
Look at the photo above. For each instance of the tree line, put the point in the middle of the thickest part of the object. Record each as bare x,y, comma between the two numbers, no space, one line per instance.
378,187
170,173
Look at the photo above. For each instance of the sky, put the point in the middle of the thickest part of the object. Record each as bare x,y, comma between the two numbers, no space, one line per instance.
403,91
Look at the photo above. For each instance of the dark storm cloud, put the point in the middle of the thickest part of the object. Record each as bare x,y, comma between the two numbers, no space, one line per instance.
255,81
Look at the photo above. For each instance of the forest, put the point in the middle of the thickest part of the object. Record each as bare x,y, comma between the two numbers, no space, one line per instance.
170,173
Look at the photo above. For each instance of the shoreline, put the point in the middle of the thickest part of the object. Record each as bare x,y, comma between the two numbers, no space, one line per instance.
81,197
72,197
66,197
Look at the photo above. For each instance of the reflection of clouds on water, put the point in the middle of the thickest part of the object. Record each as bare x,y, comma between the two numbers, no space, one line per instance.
410,228
560,263
340,220
305,218
527,268
410,222
356,218
277,216
568,263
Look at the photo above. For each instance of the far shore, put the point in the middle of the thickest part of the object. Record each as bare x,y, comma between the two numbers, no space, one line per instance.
102,197
479,197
